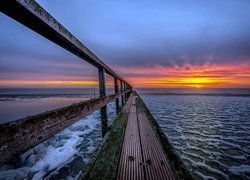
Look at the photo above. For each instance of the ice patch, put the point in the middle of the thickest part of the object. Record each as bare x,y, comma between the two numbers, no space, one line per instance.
53,153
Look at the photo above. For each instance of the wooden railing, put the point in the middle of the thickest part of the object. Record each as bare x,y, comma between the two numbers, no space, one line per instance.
21,135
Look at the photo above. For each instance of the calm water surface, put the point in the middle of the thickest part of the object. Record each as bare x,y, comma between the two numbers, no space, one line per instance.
210,133
22,102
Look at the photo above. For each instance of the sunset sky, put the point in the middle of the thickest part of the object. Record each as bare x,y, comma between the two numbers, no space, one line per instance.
151,43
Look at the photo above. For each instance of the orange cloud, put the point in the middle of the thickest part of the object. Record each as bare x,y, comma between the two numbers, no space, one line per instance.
207,76
188,76
43,83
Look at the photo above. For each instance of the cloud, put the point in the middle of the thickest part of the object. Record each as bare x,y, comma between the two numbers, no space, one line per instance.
131,34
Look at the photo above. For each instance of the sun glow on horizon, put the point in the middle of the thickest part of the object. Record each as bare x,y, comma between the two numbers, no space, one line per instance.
44,83
199,82
207,76
190,76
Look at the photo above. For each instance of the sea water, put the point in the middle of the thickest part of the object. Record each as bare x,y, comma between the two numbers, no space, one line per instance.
22,102
209,129
64,155
211,133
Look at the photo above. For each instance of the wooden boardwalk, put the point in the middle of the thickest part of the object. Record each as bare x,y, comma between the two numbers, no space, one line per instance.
142,156
130,147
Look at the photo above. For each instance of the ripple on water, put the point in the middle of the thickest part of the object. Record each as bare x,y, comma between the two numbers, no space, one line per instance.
210,133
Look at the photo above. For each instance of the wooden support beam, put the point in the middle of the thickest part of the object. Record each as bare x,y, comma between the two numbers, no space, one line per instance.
21,135
121,89
102,93
116,91
125,88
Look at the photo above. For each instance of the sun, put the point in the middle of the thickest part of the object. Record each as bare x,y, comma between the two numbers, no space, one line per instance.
197,82
196,86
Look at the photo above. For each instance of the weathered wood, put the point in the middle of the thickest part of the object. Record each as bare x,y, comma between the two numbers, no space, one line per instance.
125,88
21,135
131,159
116,91
107,161
102,92
179,169
142,156
121,89
126,107
32,15
155,162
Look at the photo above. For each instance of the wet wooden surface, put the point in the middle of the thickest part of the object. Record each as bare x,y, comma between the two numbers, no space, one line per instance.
131,156
142,156
105,163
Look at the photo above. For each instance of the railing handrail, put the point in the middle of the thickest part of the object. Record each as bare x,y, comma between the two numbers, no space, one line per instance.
19,136
32,15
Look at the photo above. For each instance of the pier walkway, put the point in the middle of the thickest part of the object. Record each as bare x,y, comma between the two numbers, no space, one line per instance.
133,149
134,146
142,156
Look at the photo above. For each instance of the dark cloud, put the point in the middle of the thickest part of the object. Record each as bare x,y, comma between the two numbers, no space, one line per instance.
132,34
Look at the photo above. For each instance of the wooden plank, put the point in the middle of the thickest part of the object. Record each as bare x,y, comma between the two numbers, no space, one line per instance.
155,162
121,90
130,165
102,87
179,170
32,15
21,135
126,107
125,88
142,156
133,106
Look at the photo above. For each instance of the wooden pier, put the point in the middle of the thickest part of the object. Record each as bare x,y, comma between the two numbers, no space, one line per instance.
140,150
134,146
21,135
142,156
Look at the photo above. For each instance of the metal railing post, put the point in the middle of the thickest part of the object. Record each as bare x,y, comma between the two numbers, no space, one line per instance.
116,91
102,93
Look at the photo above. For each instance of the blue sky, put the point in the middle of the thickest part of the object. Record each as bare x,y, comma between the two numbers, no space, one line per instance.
128,34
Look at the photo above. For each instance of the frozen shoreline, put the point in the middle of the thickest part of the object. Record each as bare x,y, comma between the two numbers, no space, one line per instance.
45,160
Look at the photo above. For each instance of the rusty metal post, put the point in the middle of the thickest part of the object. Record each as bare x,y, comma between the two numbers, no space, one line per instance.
117,100
102,93
121,89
